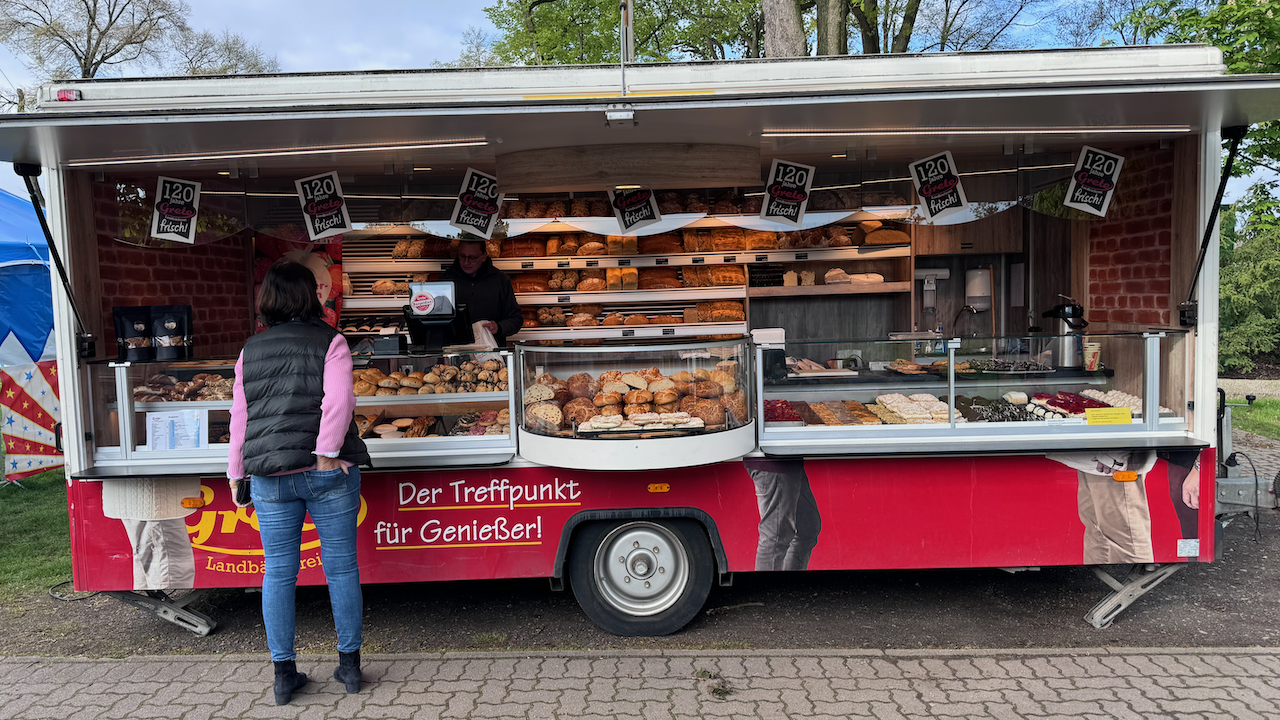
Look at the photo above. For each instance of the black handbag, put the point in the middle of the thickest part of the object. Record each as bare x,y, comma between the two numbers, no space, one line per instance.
242,493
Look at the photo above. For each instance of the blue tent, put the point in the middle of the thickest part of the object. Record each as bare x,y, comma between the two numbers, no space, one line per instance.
26,297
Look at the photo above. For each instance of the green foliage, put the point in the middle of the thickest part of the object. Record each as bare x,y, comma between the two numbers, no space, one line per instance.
567,32
1249,296
1261,419
35,544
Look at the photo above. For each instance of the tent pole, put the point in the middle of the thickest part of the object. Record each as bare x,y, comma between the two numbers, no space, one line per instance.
29,173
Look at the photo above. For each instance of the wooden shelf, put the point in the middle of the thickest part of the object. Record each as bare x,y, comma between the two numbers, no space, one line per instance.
883,288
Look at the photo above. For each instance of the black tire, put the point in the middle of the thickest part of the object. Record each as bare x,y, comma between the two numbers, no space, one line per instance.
670,586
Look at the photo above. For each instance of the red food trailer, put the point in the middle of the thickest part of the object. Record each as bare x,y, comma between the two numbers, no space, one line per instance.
767,305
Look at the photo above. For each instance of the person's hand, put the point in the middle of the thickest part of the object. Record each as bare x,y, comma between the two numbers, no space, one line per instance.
1191,488
327,463
491,326
235,487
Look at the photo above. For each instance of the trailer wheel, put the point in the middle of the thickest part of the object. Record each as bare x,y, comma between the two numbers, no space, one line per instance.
641,577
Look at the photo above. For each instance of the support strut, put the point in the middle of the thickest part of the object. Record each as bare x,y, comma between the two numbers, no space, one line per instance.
167,608
1141,580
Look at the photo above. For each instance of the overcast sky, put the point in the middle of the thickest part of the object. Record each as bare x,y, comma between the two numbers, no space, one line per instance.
319,35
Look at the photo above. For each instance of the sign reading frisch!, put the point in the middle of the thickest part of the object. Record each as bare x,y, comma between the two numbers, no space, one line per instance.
476,210
1093,182
175,211
635,208
323,207
786,193
938,185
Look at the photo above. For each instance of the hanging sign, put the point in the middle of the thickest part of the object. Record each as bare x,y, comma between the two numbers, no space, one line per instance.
476,210
1094,181
323,207
175,211
787,192
938,185
634,209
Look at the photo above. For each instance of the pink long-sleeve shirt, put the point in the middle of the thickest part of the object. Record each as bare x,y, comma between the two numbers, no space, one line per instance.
336,410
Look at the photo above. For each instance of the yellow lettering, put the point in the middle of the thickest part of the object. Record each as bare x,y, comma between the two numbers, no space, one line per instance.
231,518
203,529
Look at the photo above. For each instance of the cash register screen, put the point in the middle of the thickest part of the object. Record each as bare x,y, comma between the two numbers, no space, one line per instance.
432,299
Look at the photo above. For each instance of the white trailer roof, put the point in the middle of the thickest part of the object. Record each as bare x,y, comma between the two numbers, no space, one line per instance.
804,107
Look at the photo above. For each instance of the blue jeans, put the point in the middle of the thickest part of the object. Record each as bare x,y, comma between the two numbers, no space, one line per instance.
282,502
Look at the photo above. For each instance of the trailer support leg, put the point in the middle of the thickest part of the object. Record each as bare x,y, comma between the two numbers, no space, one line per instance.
167,608
1139,582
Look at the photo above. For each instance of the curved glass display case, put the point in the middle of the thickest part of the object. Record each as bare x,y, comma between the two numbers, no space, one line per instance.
1030,393
636,408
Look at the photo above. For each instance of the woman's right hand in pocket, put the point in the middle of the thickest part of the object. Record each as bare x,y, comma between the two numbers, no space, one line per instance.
326,464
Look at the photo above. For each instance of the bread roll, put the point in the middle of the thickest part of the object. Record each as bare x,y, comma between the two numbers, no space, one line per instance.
638,396
389,382
411,382
609,375
408,391
636,380
736,404
592,248
386,391
613,319
615,386
636,319
365,388
683,376
579,410
666,407
427,390
660,384
607,398
666,397
707,389
610,410
727,381
636,409
701,374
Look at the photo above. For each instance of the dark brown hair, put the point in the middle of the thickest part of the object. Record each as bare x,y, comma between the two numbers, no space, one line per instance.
288,293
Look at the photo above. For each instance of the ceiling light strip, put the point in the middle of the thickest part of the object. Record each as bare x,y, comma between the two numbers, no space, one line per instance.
960,130
280,152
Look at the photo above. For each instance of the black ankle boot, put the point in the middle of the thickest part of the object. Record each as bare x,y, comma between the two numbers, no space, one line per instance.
348,670
288,679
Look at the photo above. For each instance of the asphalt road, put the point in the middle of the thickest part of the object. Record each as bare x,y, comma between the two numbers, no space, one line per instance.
1233,602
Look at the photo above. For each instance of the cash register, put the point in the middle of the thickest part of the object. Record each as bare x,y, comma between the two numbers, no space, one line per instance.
434,318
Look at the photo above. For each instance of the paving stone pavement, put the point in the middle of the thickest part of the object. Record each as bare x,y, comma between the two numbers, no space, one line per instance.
1237,683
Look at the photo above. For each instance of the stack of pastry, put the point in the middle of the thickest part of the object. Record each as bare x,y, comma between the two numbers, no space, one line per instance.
471,376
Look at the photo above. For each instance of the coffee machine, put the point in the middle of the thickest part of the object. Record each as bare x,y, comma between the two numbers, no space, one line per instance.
1066,349
434,318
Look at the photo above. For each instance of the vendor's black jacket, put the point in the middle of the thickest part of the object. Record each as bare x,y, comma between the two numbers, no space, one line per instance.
488,296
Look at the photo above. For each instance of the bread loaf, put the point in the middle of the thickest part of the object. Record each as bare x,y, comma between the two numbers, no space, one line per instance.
524,246
723,275
724,239
630,278
637,319
613,278
383,287
706,389
616,386
588,308
666,320
726,380
531,282
652,282
664,244
581,320
613,319
592,248
545,416
660,384
553,245
709,411
636,380
885,236
579,410
582,385
689,240
614,244
591,284
760,240
691,315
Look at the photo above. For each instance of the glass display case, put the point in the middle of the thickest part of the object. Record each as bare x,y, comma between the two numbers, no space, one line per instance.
412,411
636,408
981,394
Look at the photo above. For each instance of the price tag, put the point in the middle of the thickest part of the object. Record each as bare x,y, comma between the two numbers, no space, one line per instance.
802,256
478,203
628,333
445,266
699,260
938,184
562,298
762,258
1109,416
1093,183
730,258
593,263
175,211
660,261
624,263
668,331
562,263
323,207
634,209
787,193
526,266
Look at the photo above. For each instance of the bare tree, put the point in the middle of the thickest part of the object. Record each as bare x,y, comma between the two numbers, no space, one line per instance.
951,25
783,29
204,53
885,25
477,51
81,38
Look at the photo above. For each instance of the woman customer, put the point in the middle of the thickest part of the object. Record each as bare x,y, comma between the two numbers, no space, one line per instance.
293,435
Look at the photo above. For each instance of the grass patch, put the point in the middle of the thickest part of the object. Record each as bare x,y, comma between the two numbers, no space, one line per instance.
489,639
1261,419
35,544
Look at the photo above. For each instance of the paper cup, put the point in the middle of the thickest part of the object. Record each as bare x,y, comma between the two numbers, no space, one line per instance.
1091,352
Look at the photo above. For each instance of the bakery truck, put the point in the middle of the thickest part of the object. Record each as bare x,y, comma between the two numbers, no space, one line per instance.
979,285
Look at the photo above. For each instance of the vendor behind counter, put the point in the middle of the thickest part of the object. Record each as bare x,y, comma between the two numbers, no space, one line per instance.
485,291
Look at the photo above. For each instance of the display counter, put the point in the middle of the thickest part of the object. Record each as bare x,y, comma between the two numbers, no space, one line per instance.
636,407
971,395
174,418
